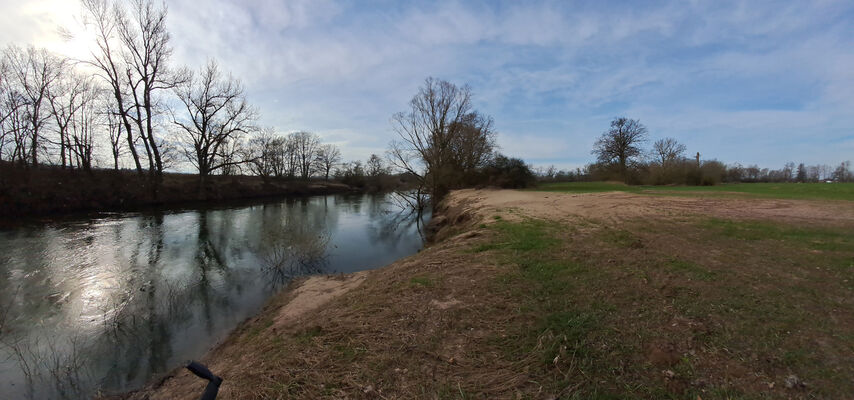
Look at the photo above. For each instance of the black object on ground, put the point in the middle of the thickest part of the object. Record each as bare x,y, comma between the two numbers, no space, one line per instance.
213,381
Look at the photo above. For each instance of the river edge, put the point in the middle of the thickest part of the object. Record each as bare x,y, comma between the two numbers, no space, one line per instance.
303,295
284,311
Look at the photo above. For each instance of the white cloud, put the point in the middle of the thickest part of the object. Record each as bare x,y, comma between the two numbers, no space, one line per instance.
742,81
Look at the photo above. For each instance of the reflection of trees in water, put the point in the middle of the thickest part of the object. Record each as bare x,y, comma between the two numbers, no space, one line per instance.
293,253
394,219
138,320
164,281
52,364
294,239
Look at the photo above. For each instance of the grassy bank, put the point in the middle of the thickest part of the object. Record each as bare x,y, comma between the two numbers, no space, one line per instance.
50,190
530,295
817,191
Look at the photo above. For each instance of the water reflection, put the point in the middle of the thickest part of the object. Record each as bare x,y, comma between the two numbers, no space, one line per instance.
106,303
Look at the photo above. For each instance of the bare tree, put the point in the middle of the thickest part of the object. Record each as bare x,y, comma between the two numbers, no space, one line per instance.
668,151
8,108
87,122
843,172
103,16
260,153
66,98
133,53
213,119
427,133
620,143
114,127
34,72
375,166
14,126
305,147
327,157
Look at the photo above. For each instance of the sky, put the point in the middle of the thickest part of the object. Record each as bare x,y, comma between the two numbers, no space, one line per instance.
755,82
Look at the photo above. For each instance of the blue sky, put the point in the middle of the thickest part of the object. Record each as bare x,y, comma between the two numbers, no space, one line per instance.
751,82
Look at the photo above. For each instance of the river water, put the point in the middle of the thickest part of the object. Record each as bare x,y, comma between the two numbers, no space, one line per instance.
104,303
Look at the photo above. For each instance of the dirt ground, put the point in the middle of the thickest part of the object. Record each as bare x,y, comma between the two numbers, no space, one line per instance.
545,296
619,206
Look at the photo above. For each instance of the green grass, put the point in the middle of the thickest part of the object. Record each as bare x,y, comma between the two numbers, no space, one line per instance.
527,236
804,191
422,281
582,305
543,284
828,239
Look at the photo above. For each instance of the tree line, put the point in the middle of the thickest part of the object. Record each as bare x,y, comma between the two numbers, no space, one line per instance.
621,156
130,104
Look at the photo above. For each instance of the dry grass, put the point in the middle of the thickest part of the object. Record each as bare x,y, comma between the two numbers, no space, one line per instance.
566,300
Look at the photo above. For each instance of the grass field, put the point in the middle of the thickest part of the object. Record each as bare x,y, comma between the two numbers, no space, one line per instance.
806,191
705,307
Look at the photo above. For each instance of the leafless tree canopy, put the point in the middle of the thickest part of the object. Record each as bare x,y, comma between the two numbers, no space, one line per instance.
620,144
375,166
214,116
133,59
439,134
305,147
296,155
29,76
328,156
668,150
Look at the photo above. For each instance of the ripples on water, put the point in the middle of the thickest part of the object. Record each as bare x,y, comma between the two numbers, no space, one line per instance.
104,304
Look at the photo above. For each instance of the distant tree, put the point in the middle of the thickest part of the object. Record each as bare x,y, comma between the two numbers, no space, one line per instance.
351,173
551,172
5,112
619,144
802,173
735,173
66,98
305,147
509,172
84,125
813,173
843,172
260,153
34,72
213,118
825,171
668,150
788,172
328,156
375,166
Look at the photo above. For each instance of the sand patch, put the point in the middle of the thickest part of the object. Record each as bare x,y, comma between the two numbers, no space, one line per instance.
315,292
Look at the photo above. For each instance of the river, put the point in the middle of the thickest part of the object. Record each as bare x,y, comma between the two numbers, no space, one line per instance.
104,303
